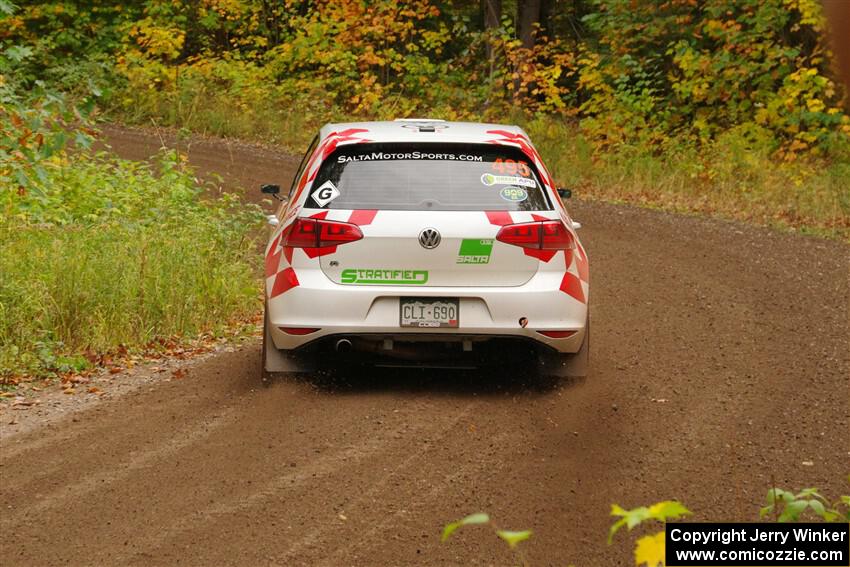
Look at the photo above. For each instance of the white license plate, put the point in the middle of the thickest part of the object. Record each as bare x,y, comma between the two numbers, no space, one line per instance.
429,312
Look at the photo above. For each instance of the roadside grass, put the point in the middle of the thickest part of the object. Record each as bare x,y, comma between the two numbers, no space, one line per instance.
738,176
106,254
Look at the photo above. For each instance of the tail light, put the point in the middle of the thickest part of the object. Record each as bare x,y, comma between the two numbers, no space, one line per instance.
540,235
557,334
299,330
319,233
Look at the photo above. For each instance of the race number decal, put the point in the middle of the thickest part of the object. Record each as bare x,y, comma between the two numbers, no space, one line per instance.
325,194
511,167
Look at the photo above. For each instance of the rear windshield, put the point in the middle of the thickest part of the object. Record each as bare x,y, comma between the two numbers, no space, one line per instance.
437,177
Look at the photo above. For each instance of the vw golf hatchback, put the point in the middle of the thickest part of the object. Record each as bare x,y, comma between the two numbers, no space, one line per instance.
428,243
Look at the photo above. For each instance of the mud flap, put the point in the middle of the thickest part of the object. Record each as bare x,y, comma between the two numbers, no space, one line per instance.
276,360
566,365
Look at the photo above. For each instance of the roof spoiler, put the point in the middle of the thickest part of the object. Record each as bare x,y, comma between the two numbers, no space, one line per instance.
414,120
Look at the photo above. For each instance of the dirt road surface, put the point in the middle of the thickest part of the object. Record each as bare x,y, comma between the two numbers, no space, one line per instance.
720,364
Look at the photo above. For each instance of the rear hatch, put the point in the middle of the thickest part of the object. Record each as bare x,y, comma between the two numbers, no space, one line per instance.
429,213
392,253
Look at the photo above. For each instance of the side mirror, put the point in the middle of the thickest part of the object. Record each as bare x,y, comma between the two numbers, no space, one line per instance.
272,190
564,193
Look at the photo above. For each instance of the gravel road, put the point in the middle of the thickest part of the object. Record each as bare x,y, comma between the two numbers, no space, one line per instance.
720,364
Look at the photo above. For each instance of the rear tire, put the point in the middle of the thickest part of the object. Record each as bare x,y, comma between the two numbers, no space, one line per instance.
266,377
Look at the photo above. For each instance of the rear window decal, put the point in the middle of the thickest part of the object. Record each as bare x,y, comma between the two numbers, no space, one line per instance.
390,156
325,194
383,277
490,179
434,176
475,251
514,194
511,167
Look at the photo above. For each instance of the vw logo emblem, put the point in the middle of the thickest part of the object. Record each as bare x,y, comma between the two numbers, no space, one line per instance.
429,238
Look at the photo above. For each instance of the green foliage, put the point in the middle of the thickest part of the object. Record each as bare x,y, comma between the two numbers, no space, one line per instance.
34,127
639,73
735,176
715,107
787,506
70,43
782,505
699,69
649,549
660,512
97,252
471,520
511,538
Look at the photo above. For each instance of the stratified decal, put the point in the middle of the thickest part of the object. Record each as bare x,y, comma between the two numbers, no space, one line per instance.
384,277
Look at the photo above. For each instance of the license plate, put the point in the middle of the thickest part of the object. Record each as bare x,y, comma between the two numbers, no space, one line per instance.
434,312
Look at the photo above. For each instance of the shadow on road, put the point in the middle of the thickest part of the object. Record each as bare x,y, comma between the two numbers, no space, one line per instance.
356,379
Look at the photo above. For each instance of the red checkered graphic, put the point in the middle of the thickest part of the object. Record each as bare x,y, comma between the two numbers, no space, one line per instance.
284,281
273,257
571,284
363,217
326,146
499,218
285,278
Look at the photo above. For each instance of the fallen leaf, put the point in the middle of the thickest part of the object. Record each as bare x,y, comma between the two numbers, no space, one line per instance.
114,370
179,373
7,395
650,550
95,390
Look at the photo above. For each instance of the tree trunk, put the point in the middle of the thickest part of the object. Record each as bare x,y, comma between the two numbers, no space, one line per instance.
491,10
838,13
528,14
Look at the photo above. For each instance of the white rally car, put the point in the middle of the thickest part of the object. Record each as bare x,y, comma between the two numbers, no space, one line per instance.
437,244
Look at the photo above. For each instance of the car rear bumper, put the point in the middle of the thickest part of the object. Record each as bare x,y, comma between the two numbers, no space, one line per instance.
485,312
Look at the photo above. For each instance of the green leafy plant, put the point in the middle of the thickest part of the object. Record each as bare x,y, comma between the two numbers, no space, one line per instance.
649,549
786,506
511,538
98,253
783,506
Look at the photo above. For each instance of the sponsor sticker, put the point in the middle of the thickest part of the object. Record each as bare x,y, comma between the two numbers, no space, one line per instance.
515,194
490,179
325,194
475,251
389,156
383,277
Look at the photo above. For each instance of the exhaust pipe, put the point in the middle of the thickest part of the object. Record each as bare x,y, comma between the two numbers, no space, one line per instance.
343,345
